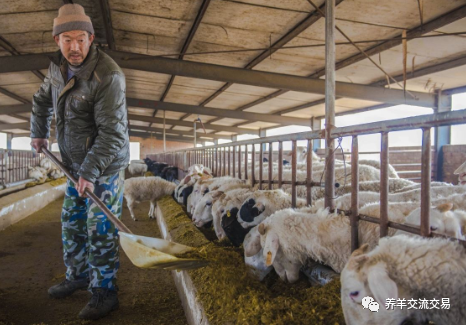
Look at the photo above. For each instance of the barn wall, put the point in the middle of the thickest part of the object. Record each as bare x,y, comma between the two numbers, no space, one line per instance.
152,146
453,157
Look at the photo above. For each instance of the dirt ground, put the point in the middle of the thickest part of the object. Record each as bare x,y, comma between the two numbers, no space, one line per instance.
31,261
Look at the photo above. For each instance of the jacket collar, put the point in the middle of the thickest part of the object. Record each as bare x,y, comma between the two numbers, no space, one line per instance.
87,68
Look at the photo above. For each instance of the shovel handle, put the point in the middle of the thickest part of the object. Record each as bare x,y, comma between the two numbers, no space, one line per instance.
117,222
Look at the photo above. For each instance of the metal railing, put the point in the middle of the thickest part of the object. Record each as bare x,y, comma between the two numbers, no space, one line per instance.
14,165
230,158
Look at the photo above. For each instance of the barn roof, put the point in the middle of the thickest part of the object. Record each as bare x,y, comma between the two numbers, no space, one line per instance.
243,65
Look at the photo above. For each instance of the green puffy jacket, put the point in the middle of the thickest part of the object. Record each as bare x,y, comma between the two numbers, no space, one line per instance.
91,115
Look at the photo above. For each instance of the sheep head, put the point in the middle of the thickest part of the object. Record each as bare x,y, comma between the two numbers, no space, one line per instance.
365,277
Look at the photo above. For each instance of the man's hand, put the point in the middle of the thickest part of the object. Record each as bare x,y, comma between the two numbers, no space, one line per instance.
82,185
38,143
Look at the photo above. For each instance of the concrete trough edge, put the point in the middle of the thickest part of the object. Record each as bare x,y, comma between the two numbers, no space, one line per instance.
193,308
17,206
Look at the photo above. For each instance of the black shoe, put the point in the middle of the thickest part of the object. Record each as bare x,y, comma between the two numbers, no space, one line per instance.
102,302
67,287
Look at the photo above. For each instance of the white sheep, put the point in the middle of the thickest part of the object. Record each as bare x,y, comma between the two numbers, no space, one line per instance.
226,202
138,189
375,163
136,168
203,210
344,202
202,187
461,172
441,219
406,268
324,237
37,173
262,204
256,263
47,164
56,173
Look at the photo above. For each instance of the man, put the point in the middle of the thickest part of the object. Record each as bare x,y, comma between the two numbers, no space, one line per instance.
85,89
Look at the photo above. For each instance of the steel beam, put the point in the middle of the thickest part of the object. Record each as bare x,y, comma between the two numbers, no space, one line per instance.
192,32
200,134
107,18
217,128
146,135
265,79
234,75
225,113
294,32
429,69
441,21
15,109
11,126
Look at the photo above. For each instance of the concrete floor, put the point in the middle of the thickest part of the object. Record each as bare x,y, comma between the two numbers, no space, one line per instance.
31,261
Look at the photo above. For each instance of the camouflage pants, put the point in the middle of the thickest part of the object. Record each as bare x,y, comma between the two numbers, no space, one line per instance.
90,240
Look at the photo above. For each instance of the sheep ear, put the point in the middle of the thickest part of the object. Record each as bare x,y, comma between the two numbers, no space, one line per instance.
460,169
261,229
271,248
445,207
381,285
361,250
253,245
358,258
187,179
216,194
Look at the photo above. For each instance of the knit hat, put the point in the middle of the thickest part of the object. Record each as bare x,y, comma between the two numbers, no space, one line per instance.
71,17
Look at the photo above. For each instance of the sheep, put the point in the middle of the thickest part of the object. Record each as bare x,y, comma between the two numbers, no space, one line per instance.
461,172
136,168
408,268
37,173
227,206
151,189
418,185
202,187
256,263
322,236
203,211
56,173
344,201
47,164
375,163
442,220
191,179
262,204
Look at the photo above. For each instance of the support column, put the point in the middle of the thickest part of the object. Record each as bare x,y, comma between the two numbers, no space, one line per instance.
329,103
263,134
442,134
9,140
316,125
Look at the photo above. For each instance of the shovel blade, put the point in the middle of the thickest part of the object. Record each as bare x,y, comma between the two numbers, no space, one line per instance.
156,253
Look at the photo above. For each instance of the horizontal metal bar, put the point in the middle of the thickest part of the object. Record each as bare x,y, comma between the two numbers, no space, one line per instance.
416,122
404,227
200,133
11,126
320,184
15,109
159,137
226,113
190,124
207,71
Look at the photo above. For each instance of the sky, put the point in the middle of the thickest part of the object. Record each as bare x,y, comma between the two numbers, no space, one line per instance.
366,142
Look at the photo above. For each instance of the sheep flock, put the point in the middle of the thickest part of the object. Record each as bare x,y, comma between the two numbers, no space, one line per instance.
275,236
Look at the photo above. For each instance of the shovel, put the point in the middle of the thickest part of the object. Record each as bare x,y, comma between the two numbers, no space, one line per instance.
144,252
